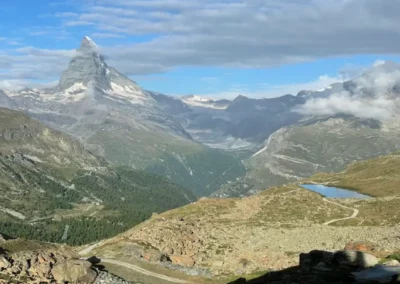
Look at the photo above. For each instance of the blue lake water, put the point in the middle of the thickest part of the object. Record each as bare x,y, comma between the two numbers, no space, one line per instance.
334,192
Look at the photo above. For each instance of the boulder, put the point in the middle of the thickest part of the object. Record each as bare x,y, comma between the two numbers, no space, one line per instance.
364,246
322,267
133,249
40,270
169,250
4,263
74,271
309,260
357,259
44,258
152,255
392,262
182,260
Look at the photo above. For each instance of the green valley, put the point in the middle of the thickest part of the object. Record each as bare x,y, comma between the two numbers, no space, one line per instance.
51,186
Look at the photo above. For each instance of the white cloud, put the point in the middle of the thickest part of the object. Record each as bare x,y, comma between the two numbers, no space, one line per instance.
239,33
270,90
106,35
372,95
378,62
28,65
16,84
343,103
224,33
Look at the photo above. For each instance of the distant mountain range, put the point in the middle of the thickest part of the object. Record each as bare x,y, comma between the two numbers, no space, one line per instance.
114,118
219,147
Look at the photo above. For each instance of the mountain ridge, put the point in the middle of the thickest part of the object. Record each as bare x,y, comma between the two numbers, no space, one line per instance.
114,118
170,136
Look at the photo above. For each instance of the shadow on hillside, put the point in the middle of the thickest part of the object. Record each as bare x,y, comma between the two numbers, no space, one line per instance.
293,275
6,237
341,267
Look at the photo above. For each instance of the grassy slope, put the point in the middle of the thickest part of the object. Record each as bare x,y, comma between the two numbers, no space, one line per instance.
379,177
48,181
274,224
326,146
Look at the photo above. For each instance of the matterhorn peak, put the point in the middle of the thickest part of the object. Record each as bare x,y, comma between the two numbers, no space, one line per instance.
88,68
87,42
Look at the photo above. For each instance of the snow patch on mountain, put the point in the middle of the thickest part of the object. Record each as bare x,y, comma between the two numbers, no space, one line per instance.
129,93
90,41
197,101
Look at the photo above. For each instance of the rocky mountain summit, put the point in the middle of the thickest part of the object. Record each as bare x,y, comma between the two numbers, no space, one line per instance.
118,120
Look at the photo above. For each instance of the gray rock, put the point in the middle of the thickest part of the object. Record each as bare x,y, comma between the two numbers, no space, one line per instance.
355,258
6,101
74,271
89,67
86,67
4,263
309,260
104,277
322,267
392,262
379,274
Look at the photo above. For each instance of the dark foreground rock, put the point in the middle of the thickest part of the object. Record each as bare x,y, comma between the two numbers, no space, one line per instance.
341,267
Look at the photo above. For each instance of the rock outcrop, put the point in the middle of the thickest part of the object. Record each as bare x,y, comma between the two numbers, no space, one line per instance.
49,265
74,271
29,262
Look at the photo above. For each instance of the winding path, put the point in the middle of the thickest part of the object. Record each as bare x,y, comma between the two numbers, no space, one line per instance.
143,271
90,248
354,215
85,251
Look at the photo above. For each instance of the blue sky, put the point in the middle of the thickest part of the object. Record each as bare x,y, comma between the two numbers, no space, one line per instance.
220,48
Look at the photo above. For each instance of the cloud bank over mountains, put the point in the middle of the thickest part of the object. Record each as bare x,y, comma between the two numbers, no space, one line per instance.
211,33
343,103
375,94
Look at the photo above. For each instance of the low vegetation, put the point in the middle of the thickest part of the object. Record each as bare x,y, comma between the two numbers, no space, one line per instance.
53,189
127,197
379,177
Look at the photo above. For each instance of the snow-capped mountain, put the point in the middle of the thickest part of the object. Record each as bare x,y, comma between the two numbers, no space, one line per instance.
117,119
183,137
239,125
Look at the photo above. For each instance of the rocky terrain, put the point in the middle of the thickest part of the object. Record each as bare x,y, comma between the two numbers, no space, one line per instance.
32,262
269,230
